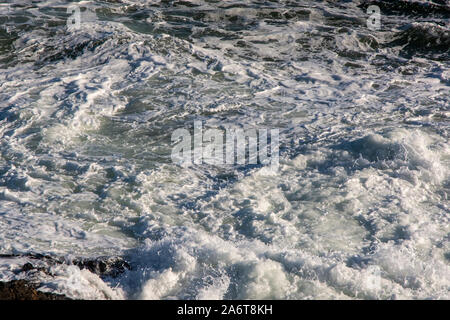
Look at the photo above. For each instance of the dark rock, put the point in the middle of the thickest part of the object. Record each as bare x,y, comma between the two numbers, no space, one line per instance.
104,266
27,290
27,267
24,290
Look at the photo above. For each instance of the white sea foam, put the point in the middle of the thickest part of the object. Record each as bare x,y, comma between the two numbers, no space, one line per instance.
359,205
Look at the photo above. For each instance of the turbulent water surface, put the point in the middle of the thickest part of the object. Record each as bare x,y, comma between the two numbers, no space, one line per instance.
358,208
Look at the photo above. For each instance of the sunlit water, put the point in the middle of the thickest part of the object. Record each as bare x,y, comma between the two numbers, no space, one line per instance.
357,209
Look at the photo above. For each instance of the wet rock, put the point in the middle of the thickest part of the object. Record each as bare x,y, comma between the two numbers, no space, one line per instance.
27,267
24,290
104,266
27,289
436,8
101,266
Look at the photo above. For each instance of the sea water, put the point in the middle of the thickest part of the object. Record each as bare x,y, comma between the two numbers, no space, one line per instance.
92,91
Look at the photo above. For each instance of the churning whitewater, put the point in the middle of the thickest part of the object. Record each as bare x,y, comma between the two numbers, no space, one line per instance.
357,207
